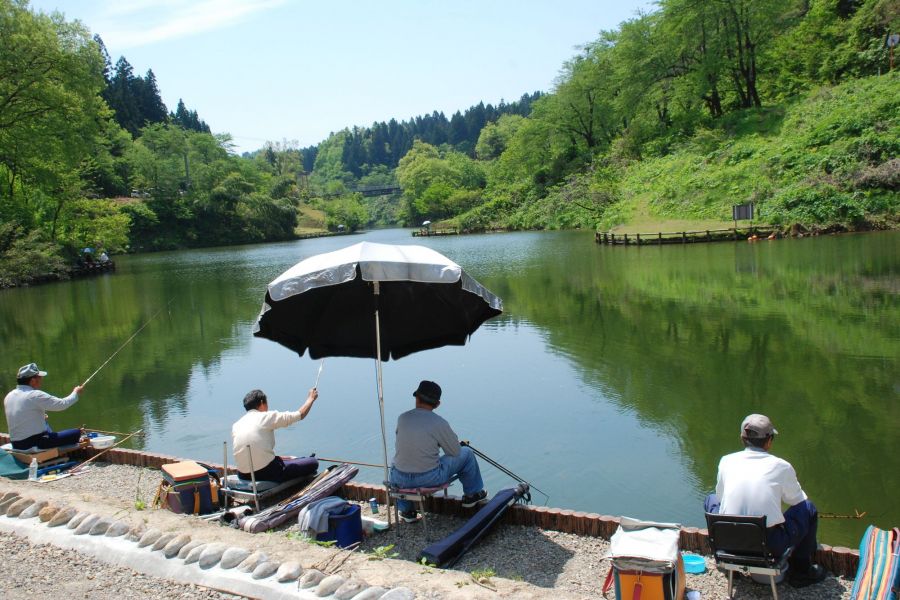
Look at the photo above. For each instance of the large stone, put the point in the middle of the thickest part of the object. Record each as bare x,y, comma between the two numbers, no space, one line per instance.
118,529
176,544
47,513
7,495
264,570
328,585
399,593
311,578
101,526
63,516
233,557
288,571
16,508
85,526
372,593
186,549
77,519
149,537
33,510
211,555
162,540
253,561
136,533
9,499
194,555
350,589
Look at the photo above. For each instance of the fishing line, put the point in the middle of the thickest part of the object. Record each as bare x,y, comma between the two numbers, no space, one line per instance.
126,342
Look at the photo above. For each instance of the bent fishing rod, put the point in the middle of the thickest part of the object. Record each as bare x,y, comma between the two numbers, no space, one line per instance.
133,335
497,465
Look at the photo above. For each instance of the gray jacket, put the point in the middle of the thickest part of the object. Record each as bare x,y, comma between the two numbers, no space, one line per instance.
25,408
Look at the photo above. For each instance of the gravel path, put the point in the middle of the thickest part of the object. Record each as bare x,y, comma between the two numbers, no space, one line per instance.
554,565
42,571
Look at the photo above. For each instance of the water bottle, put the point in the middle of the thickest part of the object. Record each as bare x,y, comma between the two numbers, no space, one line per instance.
32,470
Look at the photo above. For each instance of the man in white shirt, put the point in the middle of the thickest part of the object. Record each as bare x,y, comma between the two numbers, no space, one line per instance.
253,437
755,483
26,412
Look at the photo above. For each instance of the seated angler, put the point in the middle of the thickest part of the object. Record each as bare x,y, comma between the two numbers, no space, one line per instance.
26,412
755,483
254,440
421,434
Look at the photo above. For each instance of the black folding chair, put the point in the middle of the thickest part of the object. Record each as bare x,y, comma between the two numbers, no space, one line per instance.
739,544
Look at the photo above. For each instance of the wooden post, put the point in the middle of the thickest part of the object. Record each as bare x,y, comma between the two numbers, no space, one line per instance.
626,239
684,237
638,239
612,238
659,238
708,238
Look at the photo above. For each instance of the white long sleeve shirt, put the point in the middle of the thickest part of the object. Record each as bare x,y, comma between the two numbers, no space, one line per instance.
25,408
256,429
755,483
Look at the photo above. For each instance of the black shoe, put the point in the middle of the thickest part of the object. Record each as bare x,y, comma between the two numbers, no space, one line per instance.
409,516
470,500
814,574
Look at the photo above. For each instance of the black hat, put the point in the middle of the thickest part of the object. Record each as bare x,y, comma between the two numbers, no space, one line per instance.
428,391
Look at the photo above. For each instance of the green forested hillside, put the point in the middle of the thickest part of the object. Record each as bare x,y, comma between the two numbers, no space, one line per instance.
672,117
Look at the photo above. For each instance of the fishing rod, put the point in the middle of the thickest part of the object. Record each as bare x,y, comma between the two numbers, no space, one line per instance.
349,462
828,515
319,374
497,465
126,342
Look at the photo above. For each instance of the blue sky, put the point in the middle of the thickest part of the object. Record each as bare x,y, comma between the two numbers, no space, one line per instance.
292,70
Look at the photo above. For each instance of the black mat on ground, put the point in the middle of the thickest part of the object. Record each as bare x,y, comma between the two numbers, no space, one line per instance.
446,552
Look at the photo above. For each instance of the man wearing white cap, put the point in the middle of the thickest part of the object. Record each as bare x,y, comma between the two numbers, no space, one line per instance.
26,412
755,483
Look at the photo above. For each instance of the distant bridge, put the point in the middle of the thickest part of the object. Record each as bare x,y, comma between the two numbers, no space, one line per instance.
378,190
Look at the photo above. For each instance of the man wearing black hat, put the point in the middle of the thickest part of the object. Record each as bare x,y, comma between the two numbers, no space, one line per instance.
755,483
421,434
26,412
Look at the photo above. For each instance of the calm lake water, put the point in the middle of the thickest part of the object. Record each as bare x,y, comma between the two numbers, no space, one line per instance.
614,380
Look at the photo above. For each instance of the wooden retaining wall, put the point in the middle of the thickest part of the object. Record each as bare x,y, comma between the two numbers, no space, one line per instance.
837,559
682,237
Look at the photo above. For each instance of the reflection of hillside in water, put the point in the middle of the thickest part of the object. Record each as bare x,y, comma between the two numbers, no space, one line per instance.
71,328
693,339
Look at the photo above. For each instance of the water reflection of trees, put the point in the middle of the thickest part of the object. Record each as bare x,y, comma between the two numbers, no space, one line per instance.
694,339
71,328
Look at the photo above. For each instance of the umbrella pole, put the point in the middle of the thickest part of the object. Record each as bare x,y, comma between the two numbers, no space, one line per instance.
387,491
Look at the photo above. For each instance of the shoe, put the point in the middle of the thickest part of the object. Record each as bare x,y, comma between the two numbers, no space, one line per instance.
470,500
814,574
409,516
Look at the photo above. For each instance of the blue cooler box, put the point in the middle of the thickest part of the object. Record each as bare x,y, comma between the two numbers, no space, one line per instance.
344,527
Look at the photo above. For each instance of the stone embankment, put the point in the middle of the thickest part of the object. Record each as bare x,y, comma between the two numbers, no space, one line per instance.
84,534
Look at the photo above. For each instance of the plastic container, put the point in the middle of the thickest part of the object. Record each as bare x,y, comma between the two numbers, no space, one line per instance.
32,470
693,563
103,441
344,527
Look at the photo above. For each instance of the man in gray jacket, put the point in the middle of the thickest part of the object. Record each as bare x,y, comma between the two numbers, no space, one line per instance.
421,434
26,412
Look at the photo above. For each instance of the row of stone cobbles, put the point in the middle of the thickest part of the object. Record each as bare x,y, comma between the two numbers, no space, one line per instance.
180,546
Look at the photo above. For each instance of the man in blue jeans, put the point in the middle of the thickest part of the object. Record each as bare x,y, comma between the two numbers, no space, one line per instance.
755,483
421,434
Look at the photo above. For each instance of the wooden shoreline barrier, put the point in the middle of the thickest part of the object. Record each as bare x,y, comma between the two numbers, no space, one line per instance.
434,232
837,559
734,234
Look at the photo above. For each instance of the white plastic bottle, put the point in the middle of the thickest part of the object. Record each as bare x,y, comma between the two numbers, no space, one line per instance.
32,470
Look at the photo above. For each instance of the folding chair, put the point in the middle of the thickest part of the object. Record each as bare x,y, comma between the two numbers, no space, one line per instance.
417,496
739,544
241,490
